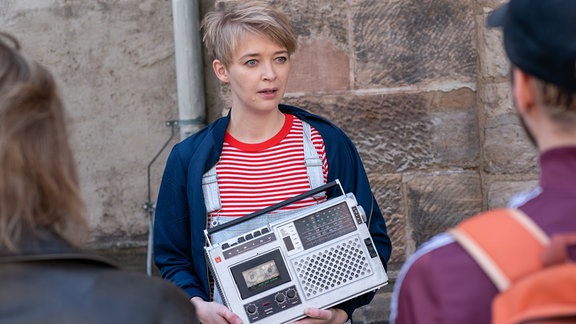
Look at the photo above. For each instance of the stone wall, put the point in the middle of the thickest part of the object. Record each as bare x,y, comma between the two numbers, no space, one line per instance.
419,85
114,62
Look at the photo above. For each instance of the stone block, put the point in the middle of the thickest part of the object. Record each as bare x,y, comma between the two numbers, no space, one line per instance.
319,19
387,189
322,61
439,200
496,100
507,148
309,73
493,63
501,192
454,138
398,43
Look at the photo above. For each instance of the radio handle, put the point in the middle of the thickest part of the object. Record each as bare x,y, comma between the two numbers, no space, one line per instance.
276,206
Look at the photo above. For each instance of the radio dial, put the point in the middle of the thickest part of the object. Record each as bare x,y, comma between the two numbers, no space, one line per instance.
251,309
291,293
280,298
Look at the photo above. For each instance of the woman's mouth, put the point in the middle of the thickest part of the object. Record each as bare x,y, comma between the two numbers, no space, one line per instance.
268,93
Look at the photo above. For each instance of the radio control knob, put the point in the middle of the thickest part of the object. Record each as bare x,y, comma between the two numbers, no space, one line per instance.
251,309
291,293
280,298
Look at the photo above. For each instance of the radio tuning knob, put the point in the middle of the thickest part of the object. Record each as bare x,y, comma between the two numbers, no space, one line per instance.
291,293
279,298
251,309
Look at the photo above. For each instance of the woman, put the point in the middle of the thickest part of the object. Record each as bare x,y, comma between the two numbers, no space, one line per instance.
252,158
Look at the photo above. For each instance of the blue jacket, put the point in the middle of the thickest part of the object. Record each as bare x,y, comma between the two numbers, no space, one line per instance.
181,214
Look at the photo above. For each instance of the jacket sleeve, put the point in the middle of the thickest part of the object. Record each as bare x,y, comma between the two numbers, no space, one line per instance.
172,238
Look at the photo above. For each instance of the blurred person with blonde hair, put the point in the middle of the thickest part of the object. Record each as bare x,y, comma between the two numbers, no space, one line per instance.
45,277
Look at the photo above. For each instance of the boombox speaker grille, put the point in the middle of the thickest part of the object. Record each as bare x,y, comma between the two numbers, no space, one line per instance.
333,267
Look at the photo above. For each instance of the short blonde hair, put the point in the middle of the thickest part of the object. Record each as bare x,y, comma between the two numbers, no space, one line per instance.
39,188
224,27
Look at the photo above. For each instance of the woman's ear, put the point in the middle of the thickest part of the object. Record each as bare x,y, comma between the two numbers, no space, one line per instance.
220,71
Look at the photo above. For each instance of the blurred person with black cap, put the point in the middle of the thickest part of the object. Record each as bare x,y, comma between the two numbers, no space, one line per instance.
441,282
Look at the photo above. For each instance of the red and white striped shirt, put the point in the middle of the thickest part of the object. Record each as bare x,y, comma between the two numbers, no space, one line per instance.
255,176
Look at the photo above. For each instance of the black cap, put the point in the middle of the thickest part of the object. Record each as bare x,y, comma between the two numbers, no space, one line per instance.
540,38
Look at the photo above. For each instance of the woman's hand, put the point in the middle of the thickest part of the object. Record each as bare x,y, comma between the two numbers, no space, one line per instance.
214,313
323,316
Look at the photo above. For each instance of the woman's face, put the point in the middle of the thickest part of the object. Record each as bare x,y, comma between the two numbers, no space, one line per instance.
257,74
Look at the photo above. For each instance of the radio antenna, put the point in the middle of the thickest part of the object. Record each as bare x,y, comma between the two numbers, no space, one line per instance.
277,206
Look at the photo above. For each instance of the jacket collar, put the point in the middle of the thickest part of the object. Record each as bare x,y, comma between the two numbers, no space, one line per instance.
45,245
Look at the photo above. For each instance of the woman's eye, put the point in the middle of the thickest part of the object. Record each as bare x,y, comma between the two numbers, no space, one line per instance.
250,62
281,59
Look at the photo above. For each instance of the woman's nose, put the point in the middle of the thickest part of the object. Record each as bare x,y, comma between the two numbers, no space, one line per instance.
269,72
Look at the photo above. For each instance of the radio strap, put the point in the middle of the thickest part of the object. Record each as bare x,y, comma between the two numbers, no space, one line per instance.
211,191
312,160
